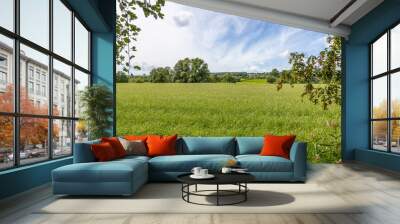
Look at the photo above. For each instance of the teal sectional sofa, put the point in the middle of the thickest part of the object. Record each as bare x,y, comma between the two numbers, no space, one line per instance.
125,176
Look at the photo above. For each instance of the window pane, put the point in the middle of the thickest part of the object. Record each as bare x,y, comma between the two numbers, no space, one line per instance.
33,139
34,97
395,47
379,55
81,131
62,89
62,138
81,45
379,135
6,75
7,14
62,29
395,94
6,142
81,82
379,97
395,136
35,21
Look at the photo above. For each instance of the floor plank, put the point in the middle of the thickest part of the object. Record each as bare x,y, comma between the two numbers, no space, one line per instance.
378,190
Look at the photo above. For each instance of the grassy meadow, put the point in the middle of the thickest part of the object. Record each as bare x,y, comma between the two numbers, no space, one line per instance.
224,109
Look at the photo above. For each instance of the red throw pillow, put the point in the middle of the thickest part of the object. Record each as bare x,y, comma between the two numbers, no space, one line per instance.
142,138
277,145
103,152
161,145
116,145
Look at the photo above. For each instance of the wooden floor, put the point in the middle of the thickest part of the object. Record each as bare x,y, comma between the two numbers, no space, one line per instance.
379,189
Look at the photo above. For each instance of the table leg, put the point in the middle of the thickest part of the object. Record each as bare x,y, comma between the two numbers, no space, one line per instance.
195,188
217,194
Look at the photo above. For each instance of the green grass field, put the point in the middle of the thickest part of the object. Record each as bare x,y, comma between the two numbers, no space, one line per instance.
222,109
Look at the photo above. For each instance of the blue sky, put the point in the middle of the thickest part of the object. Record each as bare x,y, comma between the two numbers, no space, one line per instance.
225,42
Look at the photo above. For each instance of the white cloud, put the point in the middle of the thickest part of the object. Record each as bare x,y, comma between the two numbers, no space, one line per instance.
182,18
225,42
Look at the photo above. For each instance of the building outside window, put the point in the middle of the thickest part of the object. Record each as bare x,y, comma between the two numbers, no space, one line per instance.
34,75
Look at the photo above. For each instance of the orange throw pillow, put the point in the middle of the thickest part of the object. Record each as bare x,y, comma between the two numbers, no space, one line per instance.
161,145
277,145
103,152
142,138
116,145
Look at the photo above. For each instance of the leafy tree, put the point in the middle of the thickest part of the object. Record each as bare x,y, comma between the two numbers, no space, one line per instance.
191,71
271,79
160,75
274,72
122,77
34,131
127,31
324,68
230,78
97,105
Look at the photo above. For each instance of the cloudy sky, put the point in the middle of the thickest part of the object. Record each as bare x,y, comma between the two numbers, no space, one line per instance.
225,42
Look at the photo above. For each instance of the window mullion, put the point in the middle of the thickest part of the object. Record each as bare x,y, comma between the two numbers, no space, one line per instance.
389,101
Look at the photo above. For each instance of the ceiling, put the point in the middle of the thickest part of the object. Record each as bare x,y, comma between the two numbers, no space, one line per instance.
326,16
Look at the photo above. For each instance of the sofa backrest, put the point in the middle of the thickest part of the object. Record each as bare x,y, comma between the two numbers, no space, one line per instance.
249,145
83,152
206,145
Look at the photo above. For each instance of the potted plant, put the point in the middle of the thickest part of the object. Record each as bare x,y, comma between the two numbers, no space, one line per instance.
97,104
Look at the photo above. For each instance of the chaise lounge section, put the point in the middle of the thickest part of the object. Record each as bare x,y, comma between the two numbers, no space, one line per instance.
125,176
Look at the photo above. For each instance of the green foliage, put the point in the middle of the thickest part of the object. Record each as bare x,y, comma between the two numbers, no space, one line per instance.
97,105
324,68
122,77
161,75
127,31
230,78
193,70
271,79
222,109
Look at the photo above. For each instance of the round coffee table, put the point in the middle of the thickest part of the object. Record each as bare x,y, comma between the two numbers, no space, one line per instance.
238,179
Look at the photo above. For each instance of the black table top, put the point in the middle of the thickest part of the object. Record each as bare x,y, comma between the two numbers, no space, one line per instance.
220,178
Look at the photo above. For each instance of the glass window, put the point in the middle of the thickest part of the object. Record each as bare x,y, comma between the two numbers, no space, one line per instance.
6,142
379,56
6,74
81,131
395,95
34,80
379,98
62,138
7,14
62,75
81,82
379,135
40,62
81,45
62,29
395,136
35,21
385,129
33,140
395,47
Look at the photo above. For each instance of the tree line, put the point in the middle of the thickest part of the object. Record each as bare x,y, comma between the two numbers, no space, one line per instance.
195,70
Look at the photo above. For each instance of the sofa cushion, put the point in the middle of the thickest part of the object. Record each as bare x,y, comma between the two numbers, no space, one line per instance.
257,163
277,145
207,145
185,163
103,152
112,171
249,145
161,145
